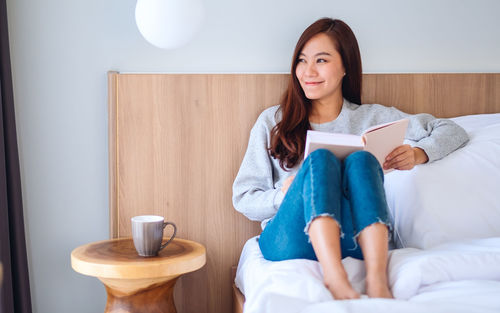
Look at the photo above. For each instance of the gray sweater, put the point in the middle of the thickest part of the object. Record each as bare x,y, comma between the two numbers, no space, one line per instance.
257,188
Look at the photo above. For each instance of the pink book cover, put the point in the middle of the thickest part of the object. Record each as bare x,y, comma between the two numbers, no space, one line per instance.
380,140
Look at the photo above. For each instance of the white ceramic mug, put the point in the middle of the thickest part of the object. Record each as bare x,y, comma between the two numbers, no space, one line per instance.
147,232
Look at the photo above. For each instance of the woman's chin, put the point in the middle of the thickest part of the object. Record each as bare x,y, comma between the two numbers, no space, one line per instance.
313,96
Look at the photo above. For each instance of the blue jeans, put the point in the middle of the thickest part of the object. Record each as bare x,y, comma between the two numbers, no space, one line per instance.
352,192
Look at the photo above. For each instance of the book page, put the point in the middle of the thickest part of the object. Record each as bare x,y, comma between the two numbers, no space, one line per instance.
339,144
381,140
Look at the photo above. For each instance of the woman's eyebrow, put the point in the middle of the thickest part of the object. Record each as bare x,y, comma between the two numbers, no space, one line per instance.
317,54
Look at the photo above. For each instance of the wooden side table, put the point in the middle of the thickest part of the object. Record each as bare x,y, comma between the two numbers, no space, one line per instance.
134,283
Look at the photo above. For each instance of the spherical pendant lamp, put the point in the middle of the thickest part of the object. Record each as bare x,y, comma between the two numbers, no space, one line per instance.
169,24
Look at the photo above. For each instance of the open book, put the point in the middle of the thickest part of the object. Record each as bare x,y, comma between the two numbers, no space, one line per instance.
379,140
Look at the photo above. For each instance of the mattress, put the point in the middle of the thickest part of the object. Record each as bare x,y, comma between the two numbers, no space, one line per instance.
461,276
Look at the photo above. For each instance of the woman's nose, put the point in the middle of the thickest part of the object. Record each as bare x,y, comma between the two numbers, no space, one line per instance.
311,69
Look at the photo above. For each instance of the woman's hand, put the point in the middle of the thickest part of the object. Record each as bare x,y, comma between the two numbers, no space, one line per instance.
405,157
287,183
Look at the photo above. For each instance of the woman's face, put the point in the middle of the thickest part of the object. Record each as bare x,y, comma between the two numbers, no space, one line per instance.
320,69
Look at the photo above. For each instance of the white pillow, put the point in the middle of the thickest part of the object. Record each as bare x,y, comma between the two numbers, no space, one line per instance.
455,198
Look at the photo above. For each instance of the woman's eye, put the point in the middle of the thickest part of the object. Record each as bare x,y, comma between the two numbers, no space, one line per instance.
321,61
301,60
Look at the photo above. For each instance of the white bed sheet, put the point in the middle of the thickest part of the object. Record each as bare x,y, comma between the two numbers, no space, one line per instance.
455,277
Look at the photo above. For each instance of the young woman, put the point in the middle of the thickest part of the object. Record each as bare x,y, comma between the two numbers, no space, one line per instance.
321,208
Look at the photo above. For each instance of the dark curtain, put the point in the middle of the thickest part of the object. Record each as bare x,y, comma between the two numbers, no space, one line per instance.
14,288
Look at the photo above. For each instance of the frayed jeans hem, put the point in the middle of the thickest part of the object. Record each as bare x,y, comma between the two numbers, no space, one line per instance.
379,220
308,225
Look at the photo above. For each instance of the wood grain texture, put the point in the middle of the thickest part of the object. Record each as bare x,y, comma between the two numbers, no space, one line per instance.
136,284
176,134
238,297
238,300
180,139
443,95
157,298
112,149
118,259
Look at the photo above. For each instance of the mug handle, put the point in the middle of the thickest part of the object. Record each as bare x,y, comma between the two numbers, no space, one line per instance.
171,238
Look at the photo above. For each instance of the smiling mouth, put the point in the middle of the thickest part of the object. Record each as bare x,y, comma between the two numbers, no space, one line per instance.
312,83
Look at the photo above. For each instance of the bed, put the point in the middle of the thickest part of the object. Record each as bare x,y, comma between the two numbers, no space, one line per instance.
176,142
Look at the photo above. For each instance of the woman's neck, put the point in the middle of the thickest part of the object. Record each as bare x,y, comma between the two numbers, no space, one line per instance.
325,111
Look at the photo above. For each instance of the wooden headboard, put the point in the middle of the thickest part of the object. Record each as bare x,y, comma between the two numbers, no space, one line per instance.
176,142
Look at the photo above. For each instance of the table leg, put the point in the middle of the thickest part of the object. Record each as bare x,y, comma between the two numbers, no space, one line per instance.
140,295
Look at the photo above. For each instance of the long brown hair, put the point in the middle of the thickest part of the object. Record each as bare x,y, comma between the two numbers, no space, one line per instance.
289,135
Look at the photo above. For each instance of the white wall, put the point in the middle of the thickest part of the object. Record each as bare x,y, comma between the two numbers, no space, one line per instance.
61,51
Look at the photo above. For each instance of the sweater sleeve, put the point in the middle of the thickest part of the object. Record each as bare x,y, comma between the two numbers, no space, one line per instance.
254,194
437,137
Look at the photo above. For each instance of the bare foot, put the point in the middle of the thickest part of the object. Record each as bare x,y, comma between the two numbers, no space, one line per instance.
340,287
377,287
